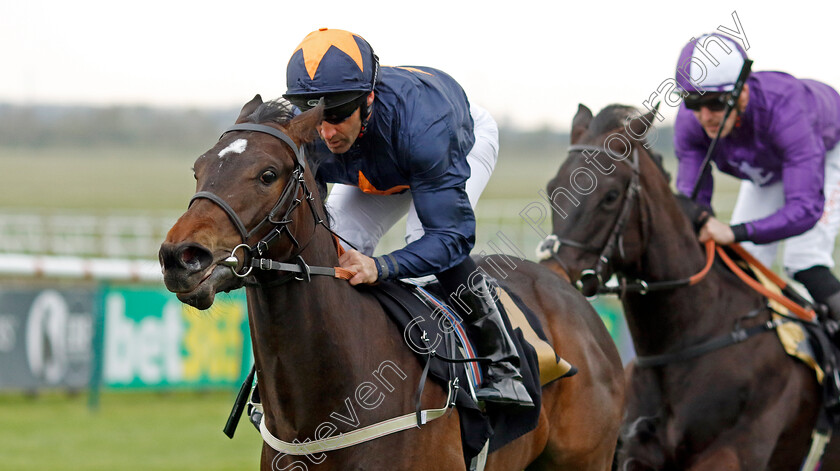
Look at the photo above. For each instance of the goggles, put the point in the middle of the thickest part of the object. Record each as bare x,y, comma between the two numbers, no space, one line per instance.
710,100
340,113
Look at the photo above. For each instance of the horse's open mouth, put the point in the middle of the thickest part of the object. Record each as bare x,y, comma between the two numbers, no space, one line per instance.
203,294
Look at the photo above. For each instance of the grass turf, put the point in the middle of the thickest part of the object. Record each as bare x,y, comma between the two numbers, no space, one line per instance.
129,431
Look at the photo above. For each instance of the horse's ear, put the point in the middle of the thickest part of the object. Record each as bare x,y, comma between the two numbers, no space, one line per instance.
580,123
640,125
303,126
249,108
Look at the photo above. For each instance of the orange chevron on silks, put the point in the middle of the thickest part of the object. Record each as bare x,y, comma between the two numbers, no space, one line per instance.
316,44
367,187
413,69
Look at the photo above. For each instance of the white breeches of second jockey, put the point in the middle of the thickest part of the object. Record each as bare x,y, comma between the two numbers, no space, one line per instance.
811,248
364,218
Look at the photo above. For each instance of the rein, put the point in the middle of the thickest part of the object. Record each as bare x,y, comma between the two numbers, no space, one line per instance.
799,311
551,245
591,281
739,334
293,195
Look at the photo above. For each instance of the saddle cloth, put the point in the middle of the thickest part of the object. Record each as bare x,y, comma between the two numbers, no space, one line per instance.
416,311
795,339
551,366
811,343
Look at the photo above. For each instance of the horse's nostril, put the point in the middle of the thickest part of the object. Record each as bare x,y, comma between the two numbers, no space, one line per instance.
190,257
195,258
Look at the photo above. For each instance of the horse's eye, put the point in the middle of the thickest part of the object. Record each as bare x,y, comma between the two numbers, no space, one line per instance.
611,196
268,177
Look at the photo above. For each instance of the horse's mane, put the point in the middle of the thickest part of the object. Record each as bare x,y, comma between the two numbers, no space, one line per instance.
278,111
614,116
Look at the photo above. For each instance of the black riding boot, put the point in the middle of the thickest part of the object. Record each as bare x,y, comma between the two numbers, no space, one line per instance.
833,304
824,288
503,381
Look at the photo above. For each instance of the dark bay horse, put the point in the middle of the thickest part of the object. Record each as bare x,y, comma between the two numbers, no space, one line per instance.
745,407
326,352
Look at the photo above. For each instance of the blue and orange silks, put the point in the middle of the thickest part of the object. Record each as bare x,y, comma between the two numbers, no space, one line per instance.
418,138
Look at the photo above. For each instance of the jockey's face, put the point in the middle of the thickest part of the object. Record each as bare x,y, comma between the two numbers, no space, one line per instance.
711,121
339,137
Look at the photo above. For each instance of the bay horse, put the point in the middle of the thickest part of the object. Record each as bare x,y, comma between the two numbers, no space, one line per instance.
318,342
748,406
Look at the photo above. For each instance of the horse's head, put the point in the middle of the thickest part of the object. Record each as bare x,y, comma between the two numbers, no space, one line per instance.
597,217
249,185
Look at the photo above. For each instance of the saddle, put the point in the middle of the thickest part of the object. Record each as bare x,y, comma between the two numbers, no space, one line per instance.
437,339
810,342
432,331
813,342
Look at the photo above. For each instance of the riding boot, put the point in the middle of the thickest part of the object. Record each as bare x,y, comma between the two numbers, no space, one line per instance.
832,314
833,305
483,319
824,288
503,381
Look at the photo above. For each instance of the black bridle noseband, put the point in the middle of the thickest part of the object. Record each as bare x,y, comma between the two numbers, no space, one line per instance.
293,195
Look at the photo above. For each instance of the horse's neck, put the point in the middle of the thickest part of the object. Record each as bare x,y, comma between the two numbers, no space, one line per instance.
669,319
305,337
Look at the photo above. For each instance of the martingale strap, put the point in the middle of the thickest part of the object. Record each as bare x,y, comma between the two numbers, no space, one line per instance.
716,343
355,437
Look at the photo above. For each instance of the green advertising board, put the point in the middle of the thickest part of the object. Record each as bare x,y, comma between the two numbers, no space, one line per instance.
142,336
151,339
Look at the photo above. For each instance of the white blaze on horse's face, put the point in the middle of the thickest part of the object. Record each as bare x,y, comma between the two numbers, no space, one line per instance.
238,146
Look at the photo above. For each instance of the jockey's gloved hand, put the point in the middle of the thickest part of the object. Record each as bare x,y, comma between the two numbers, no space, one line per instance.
697,213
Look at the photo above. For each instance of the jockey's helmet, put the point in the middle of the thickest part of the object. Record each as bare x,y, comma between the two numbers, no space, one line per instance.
710,63
333,64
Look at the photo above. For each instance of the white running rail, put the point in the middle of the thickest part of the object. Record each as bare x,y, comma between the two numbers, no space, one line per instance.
124,245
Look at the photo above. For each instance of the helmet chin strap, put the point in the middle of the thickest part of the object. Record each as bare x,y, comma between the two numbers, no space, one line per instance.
367,111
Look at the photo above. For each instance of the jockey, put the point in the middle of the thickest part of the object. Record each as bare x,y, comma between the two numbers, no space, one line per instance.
405,140
781,141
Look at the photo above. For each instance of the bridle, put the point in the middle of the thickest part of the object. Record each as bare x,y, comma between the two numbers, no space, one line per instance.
591,281
293,195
